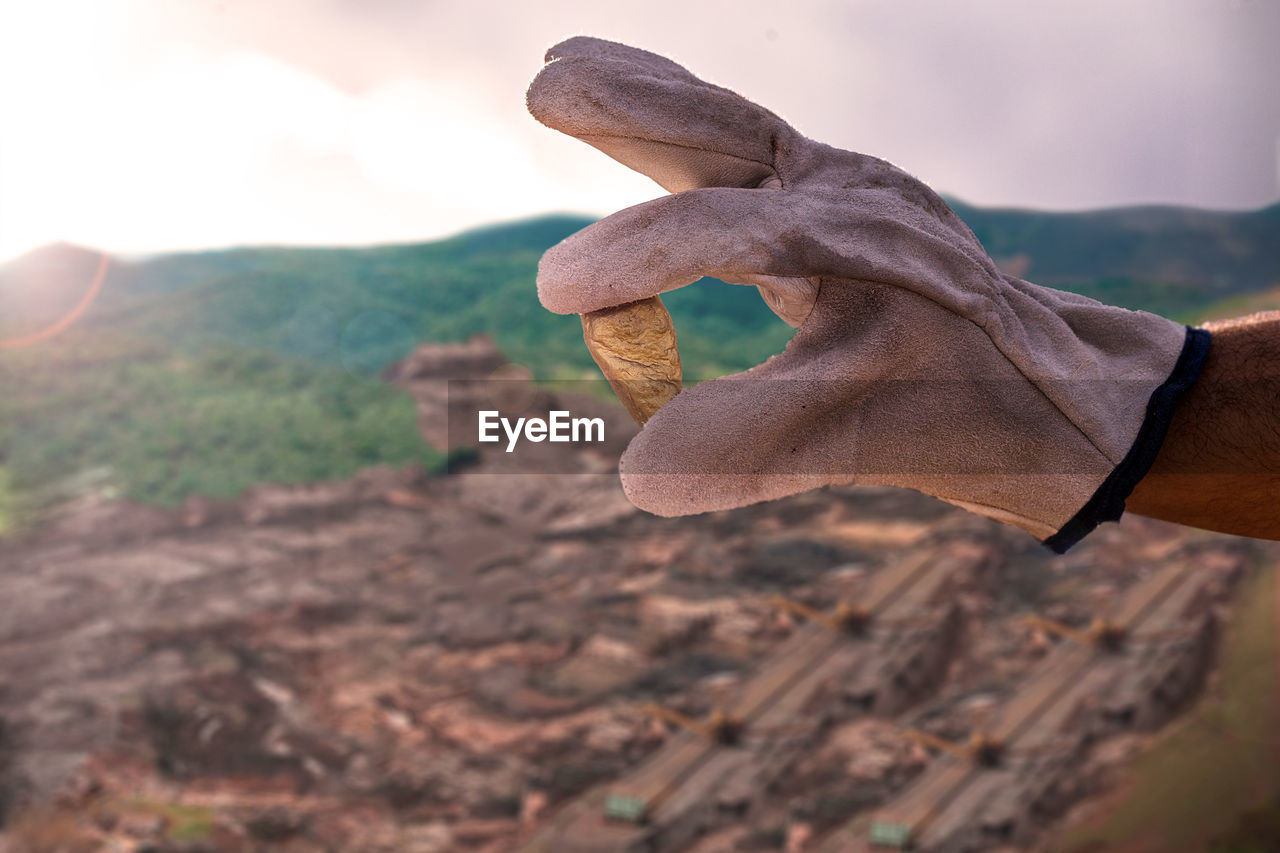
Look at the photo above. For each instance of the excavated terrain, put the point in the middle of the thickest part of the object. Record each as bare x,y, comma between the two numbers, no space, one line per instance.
459,661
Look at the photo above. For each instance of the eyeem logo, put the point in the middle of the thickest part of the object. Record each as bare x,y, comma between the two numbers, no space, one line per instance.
559,426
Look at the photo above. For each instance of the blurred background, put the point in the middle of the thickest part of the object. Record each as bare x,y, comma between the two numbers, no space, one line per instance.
239,240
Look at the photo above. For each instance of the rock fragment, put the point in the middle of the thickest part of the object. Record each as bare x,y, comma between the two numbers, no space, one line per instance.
635,346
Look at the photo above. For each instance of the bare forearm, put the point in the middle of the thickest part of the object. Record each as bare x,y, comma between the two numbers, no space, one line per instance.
1219,467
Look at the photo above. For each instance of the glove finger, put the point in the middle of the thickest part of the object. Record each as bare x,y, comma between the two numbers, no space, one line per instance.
652,115
780,240
741,236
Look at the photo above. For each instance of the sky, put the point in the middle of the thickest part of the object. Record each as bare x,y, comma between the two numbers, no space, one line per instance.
154,125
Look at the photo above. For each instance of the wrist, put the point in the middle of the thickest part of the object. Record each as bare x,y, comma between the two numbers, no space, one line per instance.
1108,502
1219,468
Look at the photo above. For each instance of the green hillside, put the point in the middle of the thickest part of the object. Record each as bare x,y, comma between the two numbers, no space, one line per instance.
206,372
135,417
1171,260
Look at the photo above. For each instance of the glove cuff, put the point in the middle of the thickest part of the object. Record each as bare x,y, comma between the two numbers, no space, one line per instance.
1107,503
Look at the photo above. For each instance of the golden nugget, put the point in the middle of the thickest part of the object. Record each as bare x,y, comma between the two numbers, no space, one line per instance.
635,346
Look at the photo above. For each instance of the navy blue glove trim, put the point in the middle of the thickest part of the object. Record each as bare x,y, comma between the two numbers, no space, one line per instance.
1107,503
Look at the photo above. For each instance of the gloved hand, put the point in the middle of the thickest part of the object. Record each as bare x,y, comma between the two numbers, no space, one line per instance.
916,363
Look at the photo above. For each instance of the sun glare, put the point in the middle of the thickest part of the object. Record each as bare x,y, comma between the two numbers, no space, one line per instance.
175,145
64,322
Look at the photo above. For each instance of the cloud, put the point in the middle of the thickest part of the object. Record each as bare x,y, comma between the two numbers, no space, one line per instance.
144,124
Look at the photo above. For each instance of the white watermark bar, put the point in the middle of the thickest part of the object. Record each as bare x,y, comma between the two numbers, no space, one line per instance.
558,427
843,430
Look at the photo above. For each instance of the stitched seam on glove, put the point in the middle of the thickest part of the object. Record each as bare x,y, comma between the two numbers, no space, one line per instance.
999,318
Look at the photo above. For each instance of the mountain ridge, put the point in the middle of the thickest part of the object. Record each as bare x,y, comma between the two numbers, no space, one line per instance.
1270,212
1165,258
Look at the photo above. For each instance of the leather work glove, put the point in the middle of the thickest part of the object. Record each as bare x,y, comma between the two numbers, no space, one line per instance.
916,363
